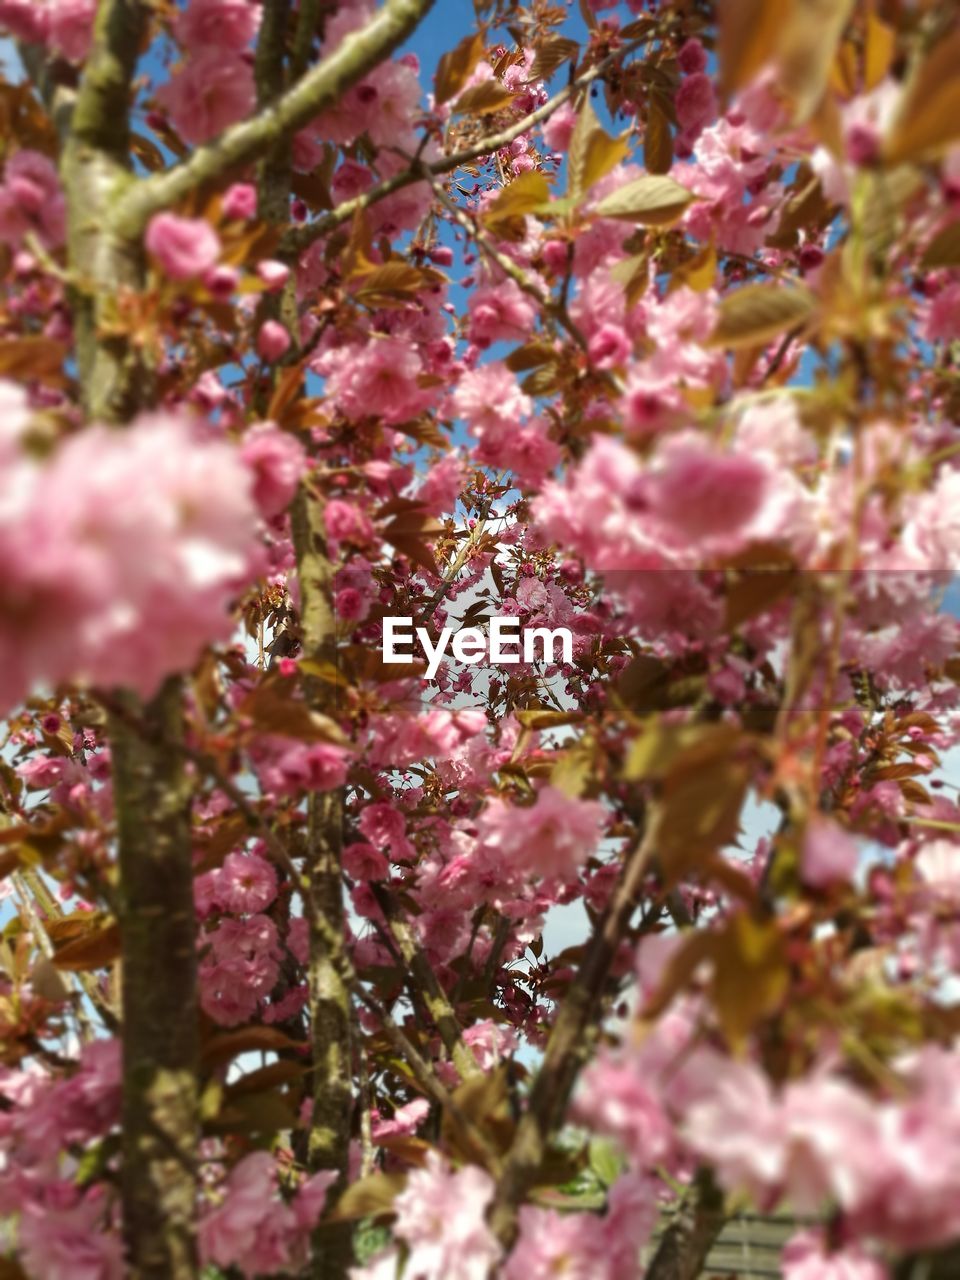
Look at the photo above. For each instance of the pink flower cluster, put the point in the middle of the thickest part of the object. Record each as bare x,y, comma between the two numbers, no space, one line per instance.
31,200
63,1230
441,1221
242,962
214,86
256,1230
890,1165
64,26
550,839
122,554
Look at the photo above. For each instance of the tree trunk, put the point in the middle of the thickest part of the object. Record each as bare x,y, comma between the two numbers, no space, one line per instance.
157,925
160,1031
329,1143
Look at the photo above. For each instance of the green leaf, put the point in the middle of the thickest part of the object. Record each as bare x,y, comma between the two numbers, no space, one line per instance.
371,1197
593,153
758,312
605,1161
654,201
523,195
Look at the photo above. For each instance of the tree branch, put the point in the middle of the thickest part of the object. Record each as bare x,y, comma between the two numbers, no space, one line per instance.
688,1239
242,143
565,1048
434,996
304,236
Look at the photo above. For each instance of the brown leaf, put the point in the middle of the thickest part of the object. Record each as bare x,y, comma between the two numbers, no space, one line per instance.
394,282
95,949
699,813
416,550
928,116
880,44
755,591
47,983
455,68
809,34
32,357
224,1046
545,718
944,249
483,99
417,521
273,710
749,35
552,53
657,140
274,1073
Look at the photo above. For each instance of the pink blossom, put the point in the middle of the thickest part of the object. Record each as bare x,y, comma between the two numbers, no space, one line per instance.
346,522
70,1242
273,274
31,199
939,863
286,766
207,93
365,862
932,532
240,201
25,20
15,415
378,379
246,883
382,824
501,311
489,399
183,247
441,1217
719,502
941,316
131,549
692,57
70,29
830,854
807,1257
553,1244
558,130
696,102
405,1120
609,346
273,340
225,24
737,1126
551,838
277,460
442,485
242,1231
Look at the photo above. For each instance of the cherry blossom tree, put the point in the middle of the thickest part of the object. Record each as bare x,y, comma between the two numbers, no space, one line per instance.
635,320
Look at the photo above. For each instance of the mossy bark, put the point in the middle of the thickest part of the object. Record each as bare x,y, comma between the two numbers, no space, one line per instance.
330,1014
157,927
160,1029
